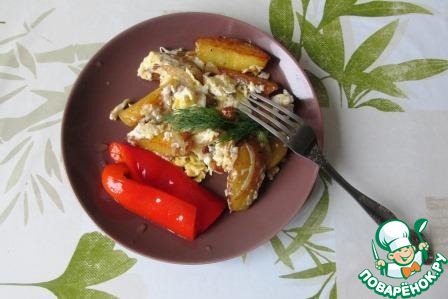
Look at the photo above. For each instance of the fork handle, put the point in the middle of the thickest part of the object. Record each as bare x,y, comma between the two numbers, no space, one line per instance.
376,211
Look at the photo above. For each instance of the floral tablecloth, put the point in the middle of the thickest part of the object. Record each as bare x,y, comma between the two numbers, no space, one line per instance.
379,69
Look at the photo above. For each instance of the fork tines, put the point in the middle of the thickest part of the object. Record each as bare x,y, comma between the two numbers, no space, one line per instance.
275,118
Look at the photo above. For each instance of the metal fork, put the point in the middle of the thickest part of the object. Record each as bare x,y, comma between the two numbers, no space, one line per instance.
300,138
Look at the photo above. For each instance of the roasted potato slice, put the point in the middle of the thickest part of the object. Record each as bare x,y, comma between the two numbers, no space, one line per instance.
132,115
246,177
175,144
277,152
230,53
268,86
157,145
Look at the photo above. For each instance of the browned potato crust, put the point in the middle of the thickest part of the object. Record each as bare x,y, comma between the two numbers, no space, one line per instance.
269,86
230,53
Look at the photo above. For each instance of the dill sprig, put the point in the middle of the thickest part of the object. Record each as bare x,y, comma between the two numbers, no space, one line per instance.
196,119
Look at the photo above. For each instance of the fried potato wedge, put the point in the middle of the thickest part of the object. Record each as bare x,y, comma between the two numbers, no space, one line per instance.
171,147
132,115
157,145
230,53
276,153
268,86
246,176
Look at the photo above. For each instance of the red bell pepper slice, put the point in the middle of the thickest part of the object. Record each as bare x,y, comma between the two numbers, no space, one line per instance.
149,168
166,210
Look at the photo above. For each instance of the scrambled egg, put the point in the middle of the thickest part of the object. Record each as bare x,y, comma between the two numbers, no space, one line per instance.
226,90
145,130
186,81
151,112
225,154
182,89
285,99
183,98
153,61
205,137
193,166
220,85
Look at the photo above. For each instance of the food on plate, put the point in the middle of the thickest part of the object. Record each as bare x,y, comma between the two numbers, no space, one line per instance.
246,175
192,120
277,151
148,168
134,113
150,203
266,86
231,53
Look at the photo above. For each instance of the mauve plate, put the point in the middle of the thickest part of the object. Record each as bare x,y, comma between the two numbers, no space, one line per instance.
111,76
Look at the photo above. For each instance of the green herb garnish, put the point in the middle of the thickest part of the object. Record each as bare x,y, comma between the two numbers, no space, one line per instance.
196,119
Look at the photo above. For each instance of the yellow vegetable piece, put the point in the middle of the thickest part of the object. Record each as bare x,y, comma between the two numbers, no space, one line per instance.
246,176
167,144
277,151
193,166
158,145
131,115
230,53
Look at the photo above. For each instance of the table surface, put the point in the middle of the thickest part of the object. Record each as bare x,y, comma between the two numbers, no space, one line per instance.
386,124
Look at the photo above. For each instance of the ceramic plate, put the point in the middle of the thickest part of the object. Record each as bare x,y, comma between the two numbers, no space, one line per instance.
111,76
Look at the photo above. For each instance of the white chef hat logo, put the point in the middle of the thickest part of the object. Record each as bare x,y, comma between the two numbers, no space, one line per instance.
393,235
